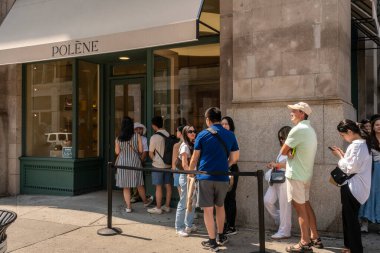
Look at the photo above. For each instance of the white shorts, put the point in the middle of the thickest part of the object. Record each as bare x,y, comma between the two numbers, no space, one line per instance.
297,190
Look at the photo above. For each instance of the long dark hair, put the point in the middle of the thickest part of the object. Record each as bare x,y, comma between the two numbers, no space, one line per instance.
374,142
283,134
186,139
347,124
126,131
230,123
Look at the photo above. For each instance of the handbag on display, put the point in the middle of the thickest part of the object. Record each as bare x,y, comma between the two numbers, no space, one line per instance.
277,176
338,177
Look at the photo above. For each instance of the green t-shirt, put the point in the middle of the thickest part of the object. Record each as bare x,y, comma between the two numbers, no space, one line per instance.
303,139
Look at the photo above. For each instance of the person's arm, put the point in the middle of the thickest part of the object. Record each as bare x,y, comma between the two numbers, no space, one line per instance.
139,143
234,158
185,163
276,165
194,159
353,160
286,150
174,156
117,148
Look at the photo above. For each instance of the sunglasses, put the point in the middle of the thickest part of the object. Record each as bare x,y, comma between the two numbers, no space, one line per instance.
191,132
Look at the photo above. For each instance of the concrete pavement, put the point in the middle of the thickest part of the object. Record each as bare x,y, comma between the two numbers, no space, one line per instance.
70,224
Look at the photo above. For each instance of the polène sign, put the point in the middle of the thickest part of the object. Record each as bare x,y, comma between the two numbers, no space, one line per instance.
75,48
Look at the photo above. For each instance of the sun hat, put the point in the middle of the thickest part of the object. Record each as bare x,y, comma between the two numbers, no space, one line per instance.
137,125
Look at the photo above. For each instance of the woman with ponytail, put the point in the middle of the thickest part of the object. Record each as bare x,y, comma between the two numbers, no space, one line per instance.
355,162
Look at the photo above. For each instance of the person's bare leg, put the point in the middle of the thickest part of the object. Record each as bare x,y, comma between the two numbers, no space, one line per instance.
208,217
127,196
303,221
312,221
168,188
159,196
220,218
141,191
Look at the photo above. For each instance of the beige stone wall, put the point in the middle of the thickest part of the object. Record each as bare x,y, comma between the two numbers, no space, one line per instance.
5,6
10,128
285,51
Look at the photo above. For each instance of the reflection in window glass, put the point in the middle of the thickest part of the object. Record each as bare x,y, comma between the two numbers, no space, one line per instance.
88,113
49,108
186,83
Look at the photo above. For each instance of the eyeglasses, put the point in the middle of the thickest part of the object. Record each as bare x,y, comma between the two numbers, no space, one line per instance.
191,132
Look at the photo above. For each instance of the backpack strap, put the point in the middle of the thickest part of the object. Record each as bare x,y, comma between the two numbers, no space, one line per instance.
162,135
215,133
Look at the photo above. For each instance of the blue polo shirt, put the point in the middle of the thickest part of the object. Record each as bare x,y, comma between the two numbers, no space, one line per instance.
213,155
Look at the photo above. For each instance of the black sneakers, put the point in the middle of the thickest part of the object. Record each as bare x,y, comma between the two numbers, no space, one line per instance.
222,239
230,231
211,245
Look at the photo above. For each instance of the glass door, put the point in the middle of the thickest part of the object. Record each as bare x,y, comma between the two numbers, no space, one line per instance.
128,99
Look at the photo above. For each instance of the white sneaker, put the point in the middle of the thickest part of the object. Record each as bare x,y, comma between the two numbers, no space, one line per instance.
364,227
149,201
278,236
155,210
165,209
128,210
182,233
192,229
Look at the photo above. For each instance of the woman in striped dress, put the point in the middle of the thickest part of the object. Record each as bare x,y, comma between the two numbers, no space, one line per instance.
128,147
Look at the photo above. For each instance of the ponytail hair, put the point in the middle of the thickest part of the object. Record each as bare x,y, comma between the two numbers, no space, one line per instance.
347,124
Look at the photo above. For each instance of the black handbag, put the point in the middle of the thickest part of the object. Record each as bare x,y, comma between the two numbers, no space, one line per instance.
339,177
277,177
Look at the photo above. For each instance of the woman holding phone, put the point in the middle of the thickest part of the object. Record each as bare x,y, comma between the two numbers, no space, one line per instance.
355,162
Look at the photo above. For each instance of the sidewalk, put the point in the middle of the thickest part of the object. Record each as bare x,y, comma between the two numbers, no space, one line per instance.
70,224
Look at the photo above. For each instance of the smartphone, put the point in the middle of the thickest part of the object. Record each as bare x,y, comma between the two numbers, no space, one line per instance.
331,148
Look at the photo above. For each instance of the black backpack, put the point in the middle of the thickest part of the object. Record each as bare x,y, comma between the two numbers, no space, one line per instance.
168,153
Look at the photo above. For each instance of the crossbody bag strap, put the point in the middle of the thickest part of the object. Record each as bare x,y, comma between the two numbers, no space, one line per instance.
155,150
215,133
134,150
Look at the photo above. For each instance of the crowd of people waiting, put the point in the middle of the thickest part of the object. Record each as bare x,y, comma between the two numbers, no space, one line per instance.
216,149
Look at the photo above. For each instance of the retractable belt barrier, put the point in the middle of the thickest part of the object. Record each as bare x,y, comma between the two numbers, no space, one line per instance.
109,230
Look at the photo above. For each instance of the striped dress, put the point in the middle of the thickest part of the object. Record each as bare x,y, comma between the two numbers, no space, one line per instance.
129,157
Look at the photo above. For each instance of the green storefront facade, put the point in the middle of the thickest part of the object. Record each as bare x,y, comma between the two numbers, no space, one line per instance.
74,99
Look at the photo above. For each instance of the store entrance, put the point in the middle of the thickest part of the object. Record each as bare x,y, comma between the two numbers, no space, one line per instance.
127,99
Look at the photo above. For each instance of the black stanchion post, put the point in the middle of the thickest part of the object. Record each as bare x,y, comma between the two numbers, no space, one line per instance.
109,230
260,193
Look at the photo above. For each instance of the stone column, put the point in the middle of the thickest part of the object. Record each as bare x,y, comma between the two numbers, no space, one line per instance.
286,51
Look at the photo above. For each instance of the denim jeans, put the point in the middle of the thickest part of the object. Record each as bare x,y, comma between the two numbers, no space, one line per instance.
183,218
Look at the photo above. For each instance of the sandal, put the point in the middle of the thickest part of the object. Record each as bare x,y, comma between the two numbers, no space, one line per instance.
346,250
299,248
317,243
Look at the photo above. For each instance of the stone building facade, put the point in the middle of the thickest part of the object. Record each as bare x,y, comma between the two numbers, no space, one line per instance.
272,53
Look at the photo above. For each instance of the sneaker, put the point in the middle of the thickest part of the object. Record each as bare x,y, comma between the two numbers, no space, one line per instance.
182,233
192,229
364,227
165,209
211,246
133,200
279,236
154,210
223,239
128,210
230,231
148,201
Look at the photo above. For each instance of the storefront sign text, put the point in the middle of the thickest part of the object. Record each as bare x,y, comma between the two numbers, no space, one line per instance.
77,48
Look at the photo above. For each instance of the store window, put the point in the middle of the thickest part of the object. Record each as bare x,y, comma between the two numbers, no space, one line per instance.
88,113
186,83
49,99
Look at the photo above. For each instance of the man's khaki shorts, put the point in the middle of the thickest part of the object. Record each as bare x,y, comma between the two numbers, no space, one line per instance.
297,190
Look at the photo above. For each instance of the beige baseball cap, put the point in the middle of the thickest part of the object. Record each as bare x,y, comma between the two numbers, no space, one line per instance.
301,106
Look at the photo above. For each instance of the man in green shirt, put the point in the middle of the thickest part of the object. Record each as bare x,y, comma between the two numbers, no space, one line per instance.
301,147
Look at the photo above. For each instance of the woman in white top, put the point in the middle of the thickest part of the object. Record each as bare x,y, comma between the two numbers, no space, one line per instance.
184,219
283,214
355,191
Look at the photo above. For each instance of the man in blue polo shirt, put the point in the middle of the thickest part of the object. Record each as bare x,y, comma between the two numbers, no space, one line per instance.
216,149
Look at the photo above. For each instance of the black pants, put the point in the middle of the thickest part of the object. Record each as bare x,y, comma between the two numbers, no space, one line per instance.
230,201
351,226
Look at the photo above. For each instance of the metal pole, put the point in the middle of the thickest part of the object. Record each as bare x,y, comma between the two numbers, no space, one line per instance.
109,230
260,193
